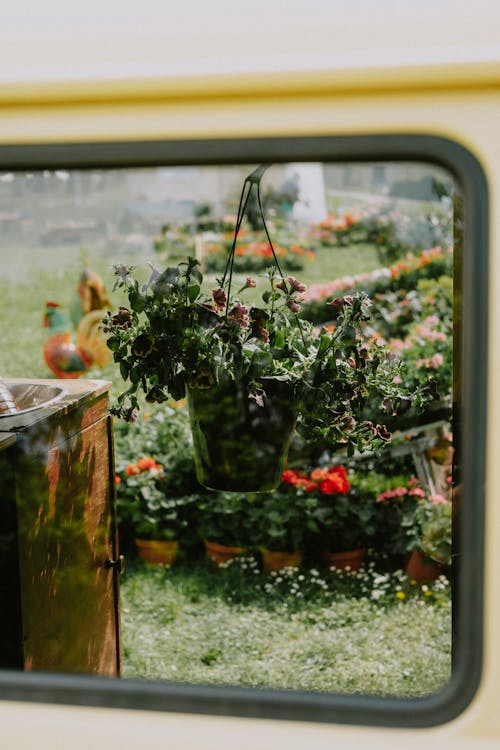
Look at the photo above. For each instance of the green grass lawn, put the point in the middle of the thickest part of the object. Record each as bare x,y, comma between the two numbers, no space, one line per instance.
310,630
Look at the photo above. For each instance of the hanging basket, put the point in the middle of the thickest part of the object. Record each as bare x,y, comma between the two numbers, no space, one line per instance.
238,445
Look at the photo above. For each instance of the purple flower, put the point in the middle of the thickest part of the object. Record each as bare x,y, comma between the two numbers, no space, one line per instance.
123,318
383,433
259,332
337,302
293,305
219,298
239,313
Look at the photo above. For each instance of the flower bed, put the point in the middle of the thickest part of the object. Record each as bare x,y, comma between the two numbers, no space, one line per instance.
403,275
255,256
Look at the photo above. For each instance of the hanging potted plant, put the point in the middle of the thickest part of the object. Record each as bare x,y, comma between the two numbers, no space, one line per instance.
252,373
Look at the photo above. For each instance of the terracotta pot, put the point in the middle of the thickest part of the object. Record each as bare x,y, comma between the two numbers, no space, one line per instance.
352,559
279,560
157,552
421,568
221,553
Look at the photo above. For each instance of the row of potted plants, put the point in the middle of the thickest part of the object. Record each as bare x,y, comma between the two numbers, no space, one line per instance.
326,512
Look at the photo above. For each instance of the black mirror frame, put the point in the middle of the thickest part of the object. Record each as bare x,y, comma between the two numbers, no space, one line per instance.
470,414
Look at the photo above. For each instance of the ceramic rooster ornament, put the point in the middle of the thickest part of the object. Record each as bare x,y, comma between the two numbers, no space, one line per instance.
69,359
90,295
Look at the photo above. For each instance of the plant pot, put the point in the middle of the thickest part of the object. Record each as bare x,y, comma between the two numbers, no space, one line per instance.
156,551
238,445
350,559
422,568
278,560
220,553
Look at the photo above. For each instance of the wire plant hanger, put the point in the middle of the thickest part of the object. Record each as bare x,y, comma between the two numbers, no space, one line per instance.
252,182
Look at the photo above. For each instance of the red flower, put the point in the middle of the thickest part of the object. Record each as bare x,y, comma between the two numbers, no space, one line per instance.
318,474
146,463
117,479
332,486
295,478
131,470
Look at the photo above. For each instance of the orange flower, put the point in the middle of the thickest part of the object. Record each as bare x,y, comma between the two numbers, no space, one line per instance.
143,464
131,470
117,479
318,474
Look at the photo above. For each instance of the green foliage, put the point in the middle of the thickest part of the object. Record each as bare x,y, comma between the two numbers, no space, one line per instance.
162,432
435,519
159,501
285,523
145,508
229,518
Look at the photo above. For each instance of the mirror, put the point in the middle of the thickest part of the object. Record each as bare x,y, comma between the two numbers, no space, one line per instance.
363,605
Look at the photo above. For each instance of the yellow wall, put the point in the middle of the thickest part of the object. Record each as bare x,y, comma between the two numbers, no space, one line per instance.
444,104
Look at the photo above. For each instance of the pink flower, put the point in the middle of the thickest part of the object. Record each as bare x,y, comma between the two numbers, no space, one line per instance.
438,499
388,494
297,286
436,360
249,284
293,306
417,492
433,362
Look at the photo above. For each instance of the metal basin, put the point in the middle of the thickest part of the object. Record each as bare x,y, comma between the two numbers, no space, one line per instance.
31,396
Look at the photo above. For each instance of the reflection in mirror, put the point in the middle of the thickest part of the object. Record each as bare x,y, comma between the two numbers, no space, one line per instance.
280,444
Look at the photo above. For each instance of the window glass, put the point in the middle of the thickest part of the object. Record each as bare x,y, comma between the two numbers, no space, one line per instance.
359,256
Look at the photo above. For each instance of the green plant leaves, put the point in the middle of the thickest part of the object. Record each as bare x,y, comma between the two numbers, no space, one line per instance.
193,291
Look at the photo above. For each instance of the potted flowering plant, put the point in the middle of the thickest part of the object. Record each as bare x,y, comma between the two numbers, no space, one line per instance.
433,553
252,373
397,500
285,524
154,519
227,523
341,515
